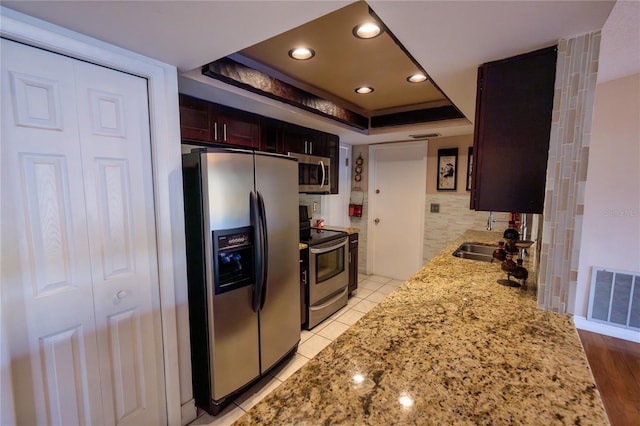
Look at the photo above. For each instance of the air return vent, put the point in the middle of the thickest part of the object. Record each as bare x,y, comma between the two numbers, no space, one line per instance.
615,298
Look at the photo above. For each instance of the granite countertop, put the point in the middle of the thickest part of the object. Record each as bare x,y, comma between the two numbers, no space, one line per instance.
341,228
463,348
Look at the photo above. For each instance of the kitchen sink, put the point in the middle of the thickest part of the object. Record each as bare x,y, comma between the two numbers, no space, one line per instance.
475,251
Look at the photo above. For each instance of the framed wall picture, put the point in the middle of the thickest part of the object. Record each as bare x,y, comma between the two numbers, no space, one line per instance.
469,168
447,169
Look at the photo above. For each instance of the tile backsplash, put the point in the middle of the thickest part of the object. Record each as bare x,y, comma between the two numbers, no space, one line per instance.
453,218
309,200
576,74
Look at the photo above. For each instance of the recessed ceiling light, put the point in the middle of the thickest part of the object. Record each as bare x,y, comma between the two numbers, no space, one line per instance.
368,30
416,78
364,90
302,53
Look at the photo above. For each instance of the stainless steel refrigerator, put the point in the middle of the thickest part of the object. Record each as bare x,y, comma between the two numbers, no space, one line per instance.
241,216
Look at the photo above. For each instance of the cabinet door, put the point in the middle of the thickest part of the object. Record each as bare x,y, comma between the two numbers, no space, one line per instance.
511,138
353,262
195,119
303,140
236,127
332,150
271,136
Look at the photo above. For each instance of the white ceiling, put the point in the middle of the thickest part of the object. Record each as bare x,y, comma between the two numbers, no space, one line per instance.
448,38
620,46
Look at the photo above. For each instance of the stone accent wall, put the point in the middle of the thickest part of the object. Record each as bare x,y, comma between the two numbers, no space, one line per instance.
576,74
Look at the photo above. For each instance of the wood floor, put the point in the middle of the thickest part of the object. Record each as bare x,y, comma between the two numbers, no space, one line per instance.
616,368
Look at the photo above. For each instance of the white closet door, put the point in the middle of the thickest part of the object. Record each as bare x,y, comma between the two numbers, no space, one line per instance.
79,256
113,121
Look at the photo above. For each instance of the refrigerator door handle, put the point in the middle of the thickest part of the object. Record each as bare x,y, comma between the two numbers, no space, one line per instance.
265,251
257,241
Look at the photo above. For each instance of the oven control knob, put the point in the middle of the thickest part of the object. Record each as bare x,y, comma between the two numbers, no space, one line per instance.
377,220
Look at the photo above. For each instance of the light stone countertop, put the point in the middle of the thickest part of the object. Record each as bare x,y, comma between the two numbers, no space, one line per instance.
341,228
465,349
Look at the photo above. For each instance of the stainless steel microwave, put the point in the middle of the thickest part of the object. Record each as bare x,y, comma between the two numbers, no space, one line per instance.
313,173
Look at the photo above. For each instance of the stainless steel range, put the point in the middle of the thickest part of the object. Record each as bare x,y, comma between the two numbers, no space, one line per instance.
327,291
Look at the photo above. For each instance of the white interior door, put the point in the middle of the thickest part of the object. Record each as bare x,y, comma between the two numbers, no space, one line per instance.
335,207
78,240
397,185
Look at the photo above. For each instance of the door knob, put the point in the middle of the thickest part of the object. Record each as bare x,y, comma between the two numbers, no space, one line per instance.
377,220
122,294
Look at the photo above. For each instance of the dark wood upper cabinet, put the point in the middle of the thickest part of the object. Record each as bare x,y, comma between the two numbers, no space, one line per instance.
303,140
195,119
236,127
271,139
332,149
206,123
511,137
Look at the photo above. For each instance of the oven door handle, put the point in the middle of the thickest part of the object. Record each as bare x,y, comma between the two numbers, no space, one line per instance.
330,301
324,248
265,251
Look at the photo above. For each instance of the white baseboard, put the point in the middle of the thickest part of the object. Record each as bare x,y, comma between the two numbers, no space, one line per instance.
608,330
189,412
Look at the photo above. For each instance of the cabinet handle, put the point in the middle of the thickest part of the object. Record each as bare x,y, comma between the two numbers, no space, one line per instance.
304,277
305,147
224,132
310,147
215,131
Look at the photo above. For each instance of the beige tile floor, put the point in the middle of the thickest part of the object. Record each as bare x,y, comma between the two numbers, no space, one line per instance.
371,290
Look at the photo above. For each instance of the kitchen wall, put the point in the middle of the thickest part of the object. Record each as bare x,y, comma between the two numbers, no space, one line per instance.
439,228
454,216
611,226
310,200
462,143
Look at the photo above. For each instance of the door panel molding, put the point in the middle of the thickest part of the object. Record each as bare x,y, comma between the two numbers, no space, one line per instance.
66,384
114,209
45,184
126,360
36,101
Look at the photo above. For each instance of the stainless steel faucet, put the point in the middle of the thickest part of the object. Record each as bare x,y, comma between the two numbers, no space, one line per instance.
523,229
491,220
